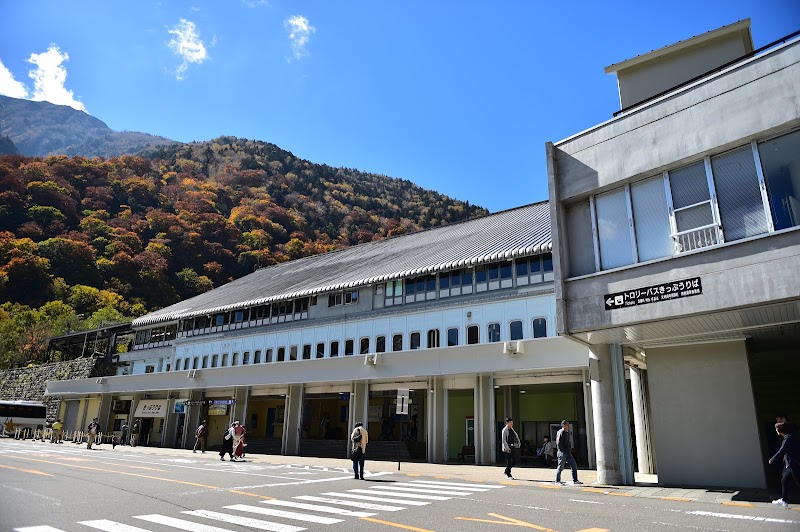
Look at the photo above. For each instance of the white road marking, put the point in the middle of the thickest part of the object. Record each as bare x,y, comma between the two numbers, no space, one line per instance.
111,526
283,513
744,517
456,484
587,502
396,487
180,523
378,490
38,529
353,504
376,499
318,508
245,521
29,493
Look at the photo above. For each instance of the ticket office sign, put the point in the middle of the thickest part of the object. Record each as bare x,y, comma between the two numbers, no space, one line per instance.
654,294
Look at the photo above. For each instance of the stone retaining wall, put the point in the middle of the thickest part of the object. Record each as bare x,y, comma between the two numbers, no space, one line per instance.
28,384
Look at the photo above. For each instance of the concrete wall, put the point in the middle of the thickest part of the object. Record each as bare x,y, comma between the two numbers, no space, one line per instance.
757,98
703,416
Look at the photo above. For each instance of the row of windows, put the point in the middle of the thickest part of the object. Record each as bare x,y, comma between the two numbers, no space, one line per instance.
493,276
335,348
748,191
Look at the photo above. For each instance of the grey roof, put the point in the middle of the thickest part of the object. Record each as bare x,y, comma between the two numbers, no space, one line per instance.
519,232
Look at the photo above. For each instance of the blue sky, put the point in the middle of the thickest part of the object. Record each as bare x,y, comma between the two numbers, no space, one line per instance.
458,97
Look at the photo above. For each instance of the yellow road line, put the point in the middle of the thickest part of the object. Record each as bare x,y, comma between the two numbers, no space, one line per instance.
413,475
550,486
143,476
441,476
398,525
594,490
681,499
742,504
622,494
31,471
506,521
135,467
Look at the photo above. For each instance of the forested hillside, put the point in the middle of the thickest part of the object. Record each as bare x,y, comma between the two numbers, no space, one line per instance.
84,240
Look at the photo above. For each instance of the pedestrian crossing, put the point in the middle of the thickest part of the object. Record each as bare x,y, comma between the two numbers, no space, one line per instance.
293,514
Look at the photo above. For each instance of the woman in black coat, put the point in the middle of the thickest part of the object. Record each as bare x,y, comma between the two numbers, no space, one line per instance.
227,444
790,452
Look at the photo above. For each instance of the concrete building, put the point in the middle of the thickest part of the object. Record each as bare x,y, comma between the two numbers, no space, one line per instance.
461,317
676,243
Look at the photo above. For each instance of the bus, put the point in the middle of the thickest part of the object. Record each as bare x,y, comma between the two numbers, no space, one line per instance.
26,415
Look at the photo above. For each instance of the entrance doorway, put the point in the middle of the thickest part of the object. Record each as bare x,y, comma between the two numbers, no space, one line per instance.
324,426
264,423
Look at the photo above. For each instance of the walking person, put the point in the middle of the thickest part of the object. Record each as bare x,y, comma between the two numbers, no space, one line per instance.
92,433
359,437
135,434
564,447
790,452
124,438
509,440
227,444
238,441
200,437
55,437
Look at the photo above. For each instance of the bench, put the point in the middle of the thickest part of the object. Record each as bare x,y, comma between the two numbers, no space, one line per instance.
467,451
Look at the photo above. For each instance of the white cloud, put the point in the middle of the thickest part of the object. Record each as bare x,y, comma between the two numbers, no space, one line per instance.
49,78
9,86
187,45
255,3
299,34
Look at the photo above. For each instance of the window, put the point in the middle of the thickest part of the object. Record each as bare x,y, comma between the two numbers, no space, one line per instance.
238,316
580,242
397,342
321,350
257,357
651,219
224,359
547,262
472,335
149,369
515,330
415,340
335,348
307,352
178,363
348,347
693,208
452,336
539,328
741,208
342,298
363,346
433,338
493,332
196,362
268,355
613,229
214,361
394,292
780,158
235,361
380,344
168,367
506,274
281,354
246,357
293,352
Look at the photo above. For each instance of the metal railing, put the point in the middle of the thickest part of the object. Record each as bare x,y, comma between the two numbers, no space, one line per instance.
697,238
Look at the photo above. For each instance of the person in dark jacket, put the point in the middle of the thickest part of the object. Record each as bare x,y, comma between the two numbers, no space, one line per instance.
790,452
564,447
227,444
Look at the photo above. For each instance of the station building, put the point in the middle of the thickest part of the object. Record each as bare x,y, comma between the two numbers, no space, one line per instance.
461,316
676,245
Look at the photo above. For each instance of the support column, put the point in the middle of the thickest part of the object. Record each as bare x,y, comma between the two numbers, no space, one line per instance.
359,409
292,420
641,421
437,421
104,414
589,419
240,407
609,404
484,419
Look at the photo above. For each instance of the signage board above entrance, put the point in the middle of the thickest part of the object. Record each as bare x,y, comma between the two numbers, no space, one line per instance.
654,294
151,408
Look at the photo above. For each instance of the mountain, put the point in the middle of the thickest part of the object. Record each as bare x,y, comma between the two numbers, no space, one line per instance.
43,128
7,146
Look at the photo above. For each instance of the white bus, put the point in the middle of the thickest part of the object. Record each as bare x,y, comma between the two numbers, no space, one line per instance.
26,415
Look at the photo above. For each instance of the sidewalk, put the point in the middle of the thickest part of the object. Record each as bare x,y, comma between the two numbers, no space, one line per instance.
539,478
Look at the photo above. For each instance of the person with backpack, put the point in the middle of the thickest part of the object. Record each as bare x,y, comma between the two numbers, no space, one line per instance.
359,437
200,437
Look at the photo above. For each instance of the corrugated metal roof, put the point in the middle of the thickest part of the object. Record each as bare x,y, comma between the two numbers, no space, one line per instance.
519,232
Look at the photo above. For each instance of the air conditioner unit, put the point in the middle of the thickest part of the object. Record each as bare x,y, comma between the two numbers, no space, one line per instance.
101,380
371,359
192,374
512,348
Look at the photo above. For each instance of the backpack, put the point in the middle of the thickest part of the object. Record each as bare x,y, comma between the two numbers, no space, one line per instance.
201,431
357,437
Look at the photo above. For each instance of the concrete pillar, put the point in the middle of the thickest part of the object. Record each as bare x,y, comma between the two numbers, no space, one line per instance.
484,419
641,421
609,405
359,409
437,421
194,415
589,419
104,414
240,406
292,420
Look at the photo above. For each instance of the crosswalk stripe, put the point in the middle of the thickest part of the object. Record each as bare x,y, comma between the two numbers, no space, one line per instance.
394,487
283,513
318,508
38,529
245,521
180,523
376,499
353,504
455,484
111,526
376,491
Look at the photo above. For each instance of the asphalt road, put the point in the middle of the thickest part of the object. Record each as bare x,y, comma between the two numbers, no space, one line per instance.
51,488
